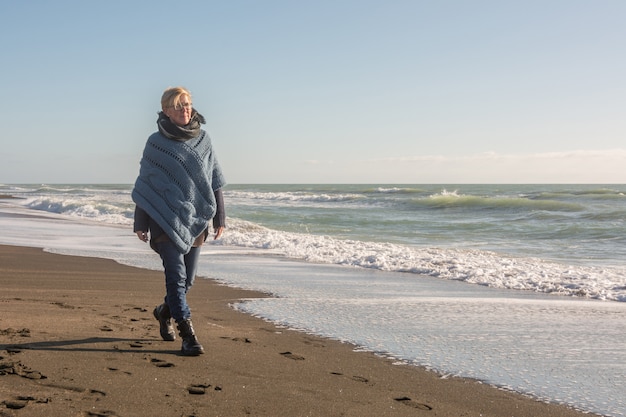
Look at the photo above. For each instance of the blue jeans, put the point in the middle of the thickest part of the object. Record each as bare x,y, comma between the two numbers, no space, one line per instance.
180,272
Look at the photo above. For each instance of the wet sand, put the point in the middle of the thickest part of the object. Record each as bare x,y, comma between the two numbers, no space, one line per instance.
77,338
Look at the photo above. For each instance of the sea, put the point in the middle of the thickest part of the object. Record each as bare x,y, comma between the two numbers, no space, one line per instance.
519,286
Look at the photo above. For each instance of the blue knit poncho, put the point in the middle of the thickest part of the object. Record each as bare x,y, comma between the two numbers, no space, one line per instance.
176,184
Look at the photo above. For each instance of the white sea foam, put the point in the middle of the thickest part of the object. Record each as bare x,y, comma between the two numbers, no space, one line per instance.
293,196
99,210
472,266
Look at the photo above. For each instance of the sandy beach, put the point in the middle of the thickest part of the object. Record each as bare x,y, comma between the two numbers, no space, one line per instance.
77,338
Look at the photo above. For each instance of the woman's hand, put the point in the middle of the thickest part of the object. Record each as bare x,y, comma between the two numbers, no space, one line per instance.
143,236
218,232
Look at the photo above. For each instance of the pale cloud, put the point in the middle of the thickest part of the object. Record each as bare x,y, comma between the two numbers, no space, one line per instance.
608,154
319,162
573,166
563,167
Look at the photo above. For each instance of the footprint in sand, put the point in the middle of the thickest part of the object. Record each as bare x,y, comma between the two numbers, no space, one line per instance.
159,363
15,332
141,310
292,356
14,404
200,389
139,344
63,305
22,401
102,413
354,377
413,404
237,339
20,369
117,370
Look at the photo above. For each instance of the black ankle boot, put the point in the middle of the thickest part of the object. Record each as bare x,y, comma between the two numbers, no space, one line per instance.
166,328
191,346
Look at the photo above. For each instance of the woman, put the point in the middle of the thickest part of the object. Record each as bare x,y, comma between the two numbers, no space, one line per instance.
177,193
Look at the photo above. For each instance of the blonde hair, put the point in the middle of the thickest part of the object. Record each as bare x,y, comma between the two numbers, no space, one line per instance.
171,96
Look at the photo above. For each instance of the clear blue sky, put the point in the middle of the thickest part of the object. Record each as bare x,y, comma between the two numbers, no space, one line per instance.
329,91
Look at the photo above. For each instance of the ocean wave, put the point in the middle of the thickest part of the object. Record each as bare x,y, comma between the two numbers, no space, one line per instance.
104,212
618,216
293,196
71,189
594,194
8,188
471,266
452,199
396,190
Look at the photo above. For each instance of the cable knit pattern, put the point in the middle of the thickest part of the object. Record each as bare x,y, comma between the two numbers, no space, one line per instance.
176,186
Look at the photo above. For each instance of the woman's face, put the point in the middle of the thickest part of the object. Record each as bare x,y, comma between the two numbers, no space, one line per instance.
180,114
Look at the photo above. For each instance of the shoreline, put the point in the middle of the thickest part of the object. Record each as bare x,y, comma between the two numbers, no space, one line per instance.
77,337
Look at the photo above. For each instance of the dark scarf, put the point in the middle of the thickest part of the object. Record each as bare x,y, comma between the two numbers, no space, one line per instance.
181,133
